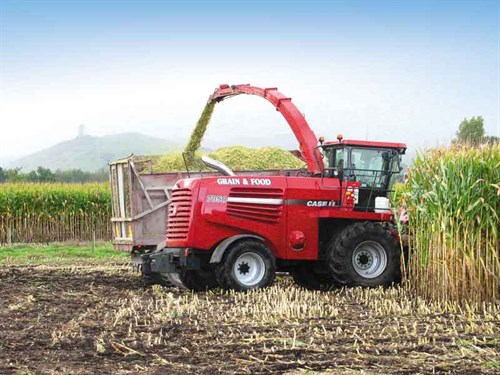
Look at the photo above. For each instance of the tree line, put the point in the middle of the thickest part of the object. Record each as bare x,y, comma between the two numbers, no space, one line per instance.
471,131
42,174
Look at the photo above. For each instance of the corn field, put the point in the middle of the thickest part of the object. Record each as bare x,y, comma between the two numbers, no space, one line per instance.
453,201
51,212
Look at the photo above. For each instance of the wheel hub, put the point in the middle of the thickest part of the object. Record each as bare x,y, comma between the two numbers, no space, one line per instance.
369,259
364,260
249,269
244,268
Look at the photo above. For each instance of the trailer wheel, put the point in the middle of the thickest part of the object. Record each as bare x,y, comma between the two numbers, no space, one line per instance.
246,265
198,280
305,276
365,254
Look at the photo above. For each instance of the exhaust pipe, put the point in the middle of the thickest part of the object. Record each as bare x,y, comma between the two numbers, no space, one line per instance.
218,166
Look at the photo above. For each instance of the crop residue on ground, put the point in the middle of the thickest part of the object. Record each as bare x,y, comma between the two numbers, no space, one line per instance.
100,318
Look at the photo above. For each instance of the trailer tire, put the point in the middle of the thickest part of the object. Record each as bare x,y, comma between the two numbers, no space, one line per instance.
247,264
305,276
365,254
199,280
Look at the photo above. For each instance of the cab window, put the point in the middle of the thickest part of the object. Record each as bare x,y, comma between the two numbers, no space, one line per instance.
372,167
334,161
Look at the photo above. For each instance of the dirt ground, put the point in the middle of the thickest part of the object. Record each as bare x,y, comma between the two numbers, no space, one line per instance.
102,319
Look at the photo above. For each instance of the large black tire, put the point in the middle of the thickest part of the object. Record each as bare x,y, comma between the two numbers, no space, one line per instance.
199,280
305,276
365,254
248,264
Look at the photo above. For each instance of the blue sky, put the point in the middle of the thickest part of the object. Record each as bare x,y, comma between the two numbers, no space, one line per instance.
384,70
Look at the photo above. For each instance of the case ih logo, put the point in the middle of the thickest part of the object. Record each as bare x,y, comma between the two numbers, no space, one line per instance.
320,203
311,203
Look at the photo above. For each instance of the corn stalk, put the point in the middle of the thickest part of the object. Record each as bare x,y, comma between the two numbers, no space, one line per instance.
453,200
48,212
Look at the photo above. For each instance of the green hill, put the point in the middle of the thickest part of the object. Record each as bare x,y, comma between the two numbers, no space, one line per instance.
90,153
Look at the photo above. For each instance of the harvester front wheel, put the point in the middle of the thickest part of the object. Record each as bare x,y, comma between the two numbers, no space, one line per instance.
246,265
365,254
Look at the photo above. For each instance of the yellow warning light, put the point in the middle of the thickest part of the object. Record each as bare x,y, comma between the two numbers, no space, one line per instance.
321,139
340,137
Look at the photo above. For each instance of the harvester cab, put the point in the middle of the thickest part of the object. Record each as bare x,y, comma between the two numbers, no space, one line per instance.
372,164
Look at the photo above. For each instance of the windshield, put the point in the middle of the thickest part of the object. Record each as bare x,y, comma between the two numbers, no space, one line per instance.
372,167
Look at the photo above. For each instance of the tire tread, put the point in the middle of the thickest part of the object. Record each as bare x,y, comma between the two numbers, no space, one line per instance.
340,251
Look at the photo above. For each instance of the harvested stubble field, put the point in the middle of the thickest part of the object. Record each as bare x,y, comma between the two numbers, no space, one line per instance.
97,316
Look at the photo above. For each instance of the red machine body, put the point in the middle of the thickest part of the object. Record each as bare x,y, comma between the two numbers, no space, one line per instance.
279,209
317,224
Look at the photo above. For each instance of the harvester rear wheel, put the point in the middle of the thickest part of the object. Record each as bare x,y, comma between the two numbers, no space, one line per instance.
248,264
365,254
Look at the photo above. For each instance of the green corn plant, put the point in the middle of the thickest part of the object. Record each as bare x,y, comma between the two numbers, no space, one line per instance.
453,200
46,212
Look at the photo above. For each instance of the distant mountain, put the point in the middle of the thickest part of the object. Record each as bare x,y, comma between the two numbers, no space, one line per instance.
90,153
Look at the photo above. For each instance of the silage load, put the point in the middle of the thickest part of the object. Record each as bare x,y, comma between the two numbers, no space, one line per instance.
247,158
200,128
236,157
453,200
